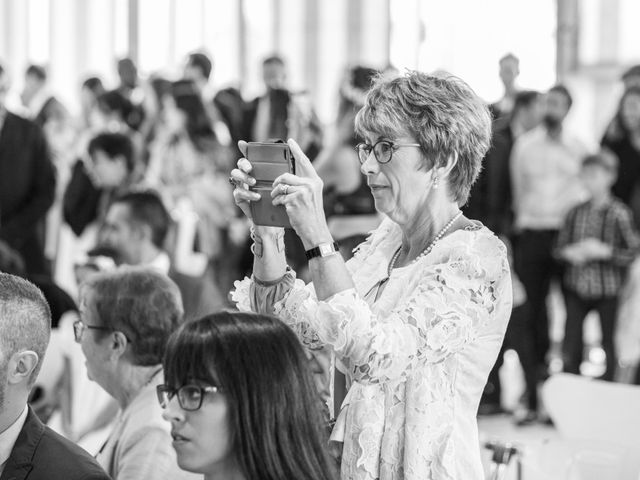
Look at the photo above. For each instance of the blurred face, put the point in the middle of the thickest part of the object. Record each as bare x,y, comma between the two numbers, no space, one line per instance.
94,343
509,70
531,116
31,87
556,107
174,118
631,112
128,74
109,172
273,75
120,234
596,179
202,438
400,187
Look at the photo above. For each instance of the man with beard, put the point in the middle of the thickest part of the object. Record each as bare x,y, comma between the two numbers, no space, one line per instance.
545,167
28,449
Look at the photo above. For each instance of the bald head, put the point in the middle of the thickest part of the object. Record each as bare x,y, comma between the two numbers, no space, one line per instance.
25,321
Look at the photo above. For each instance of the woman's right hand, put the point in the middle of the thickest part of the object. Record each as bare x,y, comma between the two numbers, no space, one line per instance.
242,180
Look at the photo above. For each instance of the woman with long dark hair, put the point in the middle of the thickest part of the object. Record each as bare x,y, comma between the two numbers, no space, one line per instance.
241,401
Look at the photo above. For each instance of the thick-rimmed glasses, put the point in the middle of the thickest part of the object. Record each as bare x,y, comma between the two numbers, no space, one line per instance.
189,396
79,327
382,150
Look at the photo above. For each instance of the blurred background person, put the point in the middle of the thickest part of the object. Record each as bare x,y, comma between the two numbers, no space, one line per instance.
189,166
241,401
509,70
598,241
545,174
90,90
126,318
28,192
225,107
136,230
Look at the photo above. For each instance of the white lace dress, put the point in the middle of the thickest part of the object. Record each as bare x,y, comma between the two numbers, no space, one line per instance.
418,356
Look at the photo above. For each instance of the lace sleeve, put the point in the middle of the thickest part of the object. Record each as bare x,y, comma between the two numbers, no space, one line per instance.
449,308
281,299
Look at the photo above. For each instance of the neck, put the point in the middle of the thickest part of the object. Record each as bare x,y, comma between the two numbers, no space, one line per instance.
132,379
418,233
11,410
226,470
600,198
510,91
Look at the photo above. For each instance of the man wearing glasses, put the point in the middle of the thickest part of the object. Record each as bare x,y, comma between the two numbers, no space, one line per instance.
28,449
126,317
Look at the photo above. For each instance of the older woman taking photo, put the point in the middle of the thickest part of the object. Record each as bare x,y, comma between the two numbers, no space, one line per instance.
417,317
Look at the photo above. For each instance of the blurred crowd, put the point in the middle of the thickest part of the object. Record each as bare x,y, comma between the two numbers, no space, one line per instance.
140,178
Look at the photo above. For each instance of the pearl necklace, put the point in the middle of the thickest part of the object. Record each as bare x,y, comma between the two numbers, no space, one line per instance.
426,251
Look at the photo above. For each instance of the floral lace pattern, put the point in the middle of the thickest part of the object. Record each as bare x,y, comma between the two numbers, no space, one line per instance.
419,355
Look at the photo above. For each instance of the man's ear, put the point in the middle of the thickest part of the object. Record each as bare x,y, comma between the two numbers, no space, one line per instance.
118,344
21,366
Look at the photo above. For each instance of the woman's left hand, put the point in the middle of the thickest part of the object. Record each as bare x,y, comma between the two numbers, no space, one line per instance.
301,195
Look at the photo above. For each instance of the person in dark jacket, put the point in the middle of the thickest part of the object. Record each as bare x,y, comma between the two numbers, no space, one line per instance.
28,449
27,185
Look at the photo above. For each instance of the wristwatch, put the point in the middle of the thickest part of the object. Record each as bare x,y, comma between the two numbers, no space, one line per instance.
322,250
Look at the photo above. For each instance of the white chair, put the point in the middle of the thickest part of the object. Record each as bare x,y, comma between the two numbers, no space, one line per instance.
599,425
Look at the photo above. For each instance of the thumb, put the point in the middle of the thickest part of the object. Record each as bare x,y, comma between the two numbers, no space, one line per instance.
303,164
242,145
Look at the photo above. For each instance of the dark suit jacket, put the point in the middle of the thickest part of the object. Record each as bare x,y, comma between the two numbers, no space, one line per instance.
51,110
499,192
490,197
27,189
42,454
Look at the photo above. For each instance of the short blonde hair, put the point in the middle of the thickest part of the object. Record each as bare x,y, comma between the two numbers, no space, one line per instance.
442,113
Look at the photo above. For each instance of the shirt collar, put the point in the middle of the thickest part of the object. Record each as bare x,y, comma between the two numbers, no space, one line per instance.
9,436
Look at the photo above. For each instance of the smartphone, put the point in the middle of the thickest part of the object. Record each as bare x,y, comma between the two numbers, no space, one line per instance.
269,161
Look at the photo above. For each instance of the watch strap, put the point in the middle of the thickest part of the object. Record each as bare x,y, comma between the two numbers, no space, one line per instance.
322,250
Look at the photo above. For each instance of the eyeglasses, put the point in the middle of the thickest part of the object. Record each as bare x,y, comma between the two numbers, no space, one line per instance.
189,396
79,327
382,150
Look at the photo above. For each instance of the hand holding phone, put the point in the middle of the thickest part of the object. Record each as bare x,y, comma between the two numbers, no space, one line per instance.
268,161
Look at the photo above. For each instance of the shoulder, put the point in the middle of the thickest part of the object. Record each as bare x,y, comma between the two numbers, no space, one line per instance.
60,458
15,121
620,209
474,253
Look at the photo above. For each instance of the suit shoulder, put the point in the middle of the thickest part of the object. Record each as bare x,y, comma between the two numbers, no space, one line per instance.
57,458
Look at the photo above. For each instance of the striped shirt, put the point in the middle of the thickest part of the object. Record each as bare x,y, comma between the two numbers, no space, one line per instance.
612,224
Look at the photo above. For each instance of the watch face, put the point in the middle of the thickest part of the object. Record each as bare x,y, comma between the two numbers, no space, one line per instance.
325,249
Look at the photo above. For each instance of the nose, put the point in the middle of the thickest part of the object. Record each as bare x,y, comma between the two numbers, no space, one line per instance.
173,413
371,165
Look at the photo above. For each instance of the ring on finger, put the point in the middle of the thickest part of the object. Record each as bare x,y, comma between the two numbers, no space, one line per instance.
232,181
285,189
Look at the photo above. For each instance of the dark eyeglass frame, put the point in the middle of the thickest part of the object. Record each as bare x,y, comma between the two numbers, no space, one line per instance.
79,327
165,393
364,150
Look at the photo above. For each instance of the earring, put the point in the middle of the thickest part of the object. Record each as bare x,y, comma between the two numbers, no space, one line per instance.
435,182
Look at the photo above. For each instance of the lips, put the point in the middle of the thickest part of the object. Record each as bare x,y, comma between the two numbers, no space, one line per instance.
373,186
177,438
